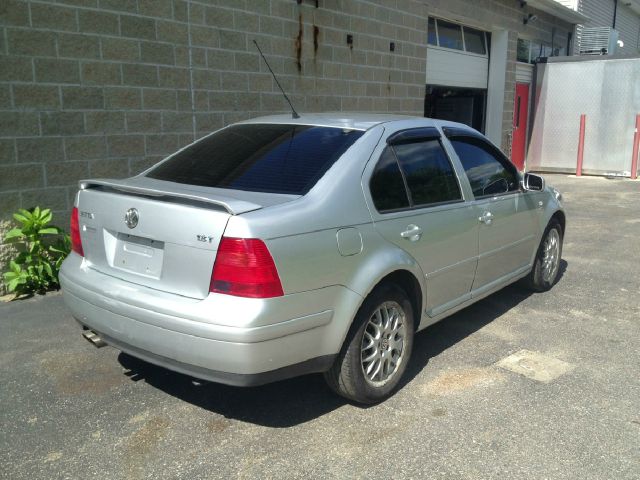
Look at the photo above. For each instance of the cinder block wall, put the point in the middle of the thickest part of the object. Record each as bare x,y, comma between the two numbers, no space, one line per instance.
97,88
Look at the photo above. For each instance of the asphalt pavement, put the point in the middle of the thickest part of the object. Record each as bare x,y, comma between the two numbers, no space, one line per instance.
571,411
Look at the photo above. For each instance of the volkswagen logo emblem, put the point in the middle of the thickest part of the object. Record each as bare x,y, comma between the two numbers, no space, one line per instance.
131,218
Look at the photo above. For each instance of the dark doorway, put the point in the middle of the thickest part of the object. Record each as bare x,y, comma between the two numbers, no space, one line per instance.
463,105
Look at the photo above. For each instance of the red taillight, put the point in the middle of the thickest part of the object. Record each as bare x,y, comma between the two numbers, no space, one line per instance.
76,242
245,268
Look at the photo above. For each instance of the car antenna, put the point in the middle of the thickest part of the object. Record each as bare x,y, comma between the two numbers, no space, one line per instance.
294,114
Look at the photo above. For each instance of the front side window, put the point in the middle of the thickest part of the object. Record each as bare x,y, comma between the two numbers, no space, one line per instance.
275,158
411,175
489,173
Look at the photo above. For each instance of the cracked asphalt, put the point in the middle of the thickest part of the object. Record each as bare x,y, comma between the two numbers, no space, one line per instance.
69,410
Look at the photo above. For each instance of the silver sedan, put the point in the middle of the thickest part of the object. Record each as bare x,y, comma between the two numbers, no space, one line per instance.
277,247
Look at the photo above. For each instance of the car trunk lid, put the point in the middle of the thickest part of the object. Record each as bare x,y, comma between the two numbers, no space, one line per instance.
159,234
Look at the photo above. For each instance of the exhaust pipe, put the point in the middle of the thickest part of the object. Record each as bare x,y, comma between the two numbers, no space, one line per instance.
94,338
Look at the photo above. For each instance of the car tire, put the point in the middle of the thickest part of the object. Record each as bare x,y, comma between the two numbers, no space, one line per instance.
546,266
377,348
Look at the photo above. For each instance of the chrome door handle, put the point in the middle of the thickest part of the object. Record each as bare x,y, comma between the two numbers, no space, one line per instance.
486,218
412,233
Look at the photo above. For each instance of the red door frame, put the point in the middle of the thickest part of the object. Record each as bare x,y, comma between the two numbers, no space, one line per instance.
520,117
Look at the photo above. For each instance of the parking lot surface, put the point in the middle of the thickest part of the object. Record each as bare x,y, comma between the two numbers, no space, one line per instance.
520,385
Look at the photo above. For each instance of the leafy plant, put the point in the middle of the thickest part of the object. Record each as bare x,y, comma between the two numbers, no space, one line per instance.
42,248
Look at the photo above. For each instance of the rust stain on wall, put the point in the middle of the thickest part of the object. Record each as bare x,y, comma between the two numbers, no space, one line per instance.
299,44
316,34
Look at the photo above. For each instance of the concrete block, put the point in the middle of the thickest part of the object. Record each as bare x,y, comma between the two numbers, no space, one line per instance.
39,149
82,98
158,99
57,70
125,145
137,27
143,122
158,53
233,81
218,17
205,36
16,69
156,8
101,73
180,10
220,59
7,151
120,5
76,45
174,77
173,32
14,177
14,12
140,75
31,42
85,147
230,40
177,122
9,203
247,62
206,79
120,49
246,21
54,17
54,198
104,122
111,168
36,96
125,98
91,21
66,173
62,123
19,124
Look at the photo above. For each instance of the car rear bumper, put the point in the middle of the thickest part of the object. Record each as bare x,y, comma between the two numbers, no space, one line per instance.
226,339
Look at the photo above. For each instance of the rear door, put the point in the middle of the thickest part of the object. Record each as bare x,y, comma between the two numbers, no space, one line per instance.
506,214
418,205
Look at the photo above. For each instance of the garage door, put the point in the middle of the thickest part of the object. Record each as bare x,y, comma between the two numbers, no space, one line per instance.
457,56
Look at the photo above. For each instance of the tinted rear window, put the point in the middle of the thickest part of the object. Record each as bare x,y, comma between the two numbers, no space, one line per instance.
259,157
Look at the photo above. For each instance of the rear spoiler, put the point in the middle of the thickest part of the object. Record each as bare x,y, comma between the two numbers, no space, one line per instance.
169,191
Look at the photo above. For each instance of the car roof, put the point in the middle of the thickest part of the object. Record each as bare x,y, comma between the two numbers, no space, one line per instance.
355,121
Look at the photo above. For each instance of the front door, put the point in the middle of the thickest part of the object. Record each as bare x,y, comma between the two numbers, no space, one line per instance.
520,115
419,207
506,214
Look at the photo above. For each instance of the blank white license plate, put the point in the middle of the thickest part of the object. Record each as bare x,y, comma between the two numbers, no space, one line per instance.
139,255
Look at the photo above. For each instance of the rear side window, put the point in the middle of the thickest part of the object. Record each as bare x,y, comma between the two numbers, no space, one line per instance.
273,158
488,171
387,186
412,175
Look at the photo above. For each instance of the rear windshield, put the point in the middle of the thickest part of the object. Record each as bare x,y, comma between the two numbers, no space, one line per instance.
259,157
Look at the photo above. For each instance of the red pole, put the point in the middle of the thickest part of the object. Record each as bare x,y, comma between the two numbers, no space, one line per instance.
636,147
583,119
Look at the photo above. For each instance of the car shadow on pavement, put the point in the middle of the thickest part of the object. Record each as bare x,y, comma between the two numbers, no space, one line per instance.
298,400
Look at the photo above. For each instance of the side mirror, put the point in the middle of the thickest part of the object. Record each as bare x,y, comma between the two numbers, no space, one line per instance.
533,182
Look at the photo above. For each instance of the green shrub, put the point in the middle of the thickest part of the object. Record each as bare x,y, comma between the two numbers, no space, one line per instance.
42,248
